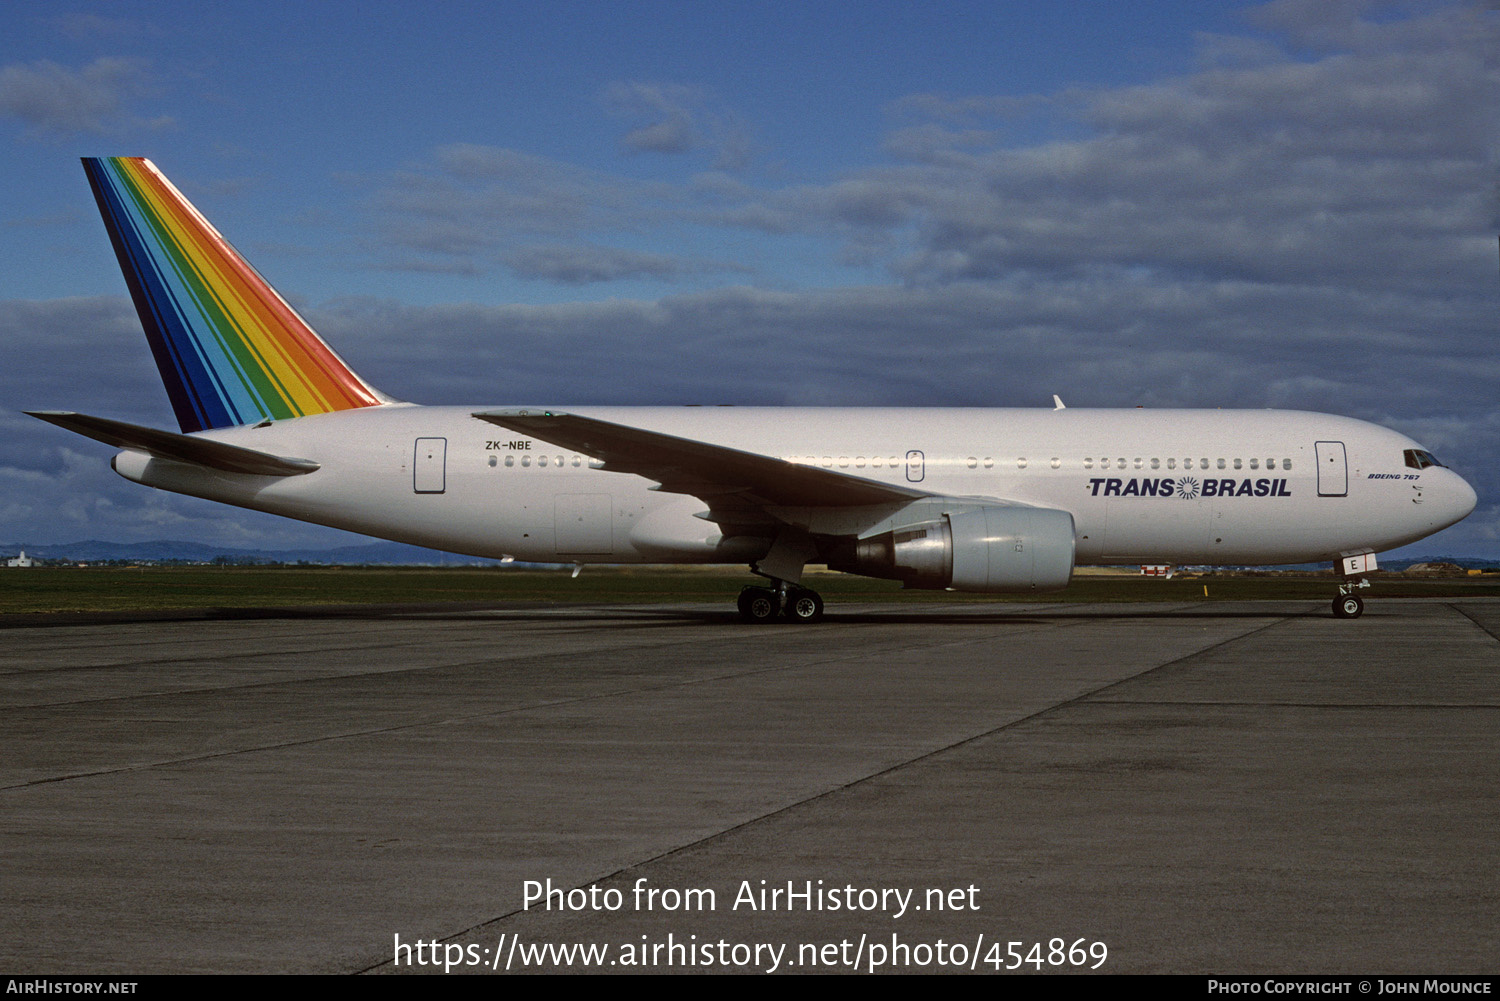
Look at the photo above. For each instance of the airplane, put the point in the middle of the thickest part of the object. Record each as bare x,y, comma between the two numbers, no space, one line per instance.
979,500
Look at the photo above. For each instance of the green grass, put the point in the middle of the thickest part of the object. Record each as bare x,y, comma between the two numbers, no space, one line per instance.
106,589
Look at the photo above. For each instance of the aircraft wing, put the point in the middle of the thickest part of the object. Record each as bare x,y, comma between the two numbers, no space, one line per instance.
178,447
685,466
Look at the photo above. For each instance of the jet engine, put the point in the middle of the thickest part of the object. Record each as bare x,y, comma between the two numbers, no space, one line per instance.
973,548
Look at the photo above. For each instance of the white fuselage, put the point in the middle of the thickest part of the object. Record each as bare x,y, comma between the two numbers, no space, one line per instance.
1143,486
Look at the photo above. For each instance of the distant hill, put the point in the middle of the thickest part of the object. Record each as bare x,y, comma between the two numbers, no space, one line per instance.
1467,562
379,553
1392,564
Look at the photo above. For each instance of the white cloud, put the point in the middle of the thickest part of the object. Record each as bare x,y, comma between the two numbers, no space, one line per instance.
51,99
674,119
476,203
583,265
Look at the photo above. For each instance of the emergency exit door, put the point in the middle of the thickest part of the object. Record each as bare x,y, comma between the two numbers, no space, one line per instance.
916,466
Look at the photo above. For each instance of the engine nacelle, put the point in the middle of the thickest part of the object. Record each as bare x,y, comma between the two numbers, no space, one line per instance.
974,548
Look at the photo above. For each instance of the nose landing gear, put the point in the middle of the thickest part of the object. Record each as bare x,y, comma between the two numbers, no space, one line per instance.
1349,605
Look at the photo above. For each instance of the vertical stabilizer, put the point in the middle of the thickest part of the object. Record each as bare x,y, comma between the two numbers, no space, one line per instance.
230,349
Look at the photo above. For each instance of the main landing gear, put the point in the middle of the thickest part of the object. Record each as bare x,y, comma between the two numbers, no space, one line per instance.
792,602
782,565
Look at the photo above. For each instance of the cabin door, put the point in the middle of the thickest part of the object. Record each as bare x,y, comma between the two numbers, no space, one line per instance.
1333,469
429,466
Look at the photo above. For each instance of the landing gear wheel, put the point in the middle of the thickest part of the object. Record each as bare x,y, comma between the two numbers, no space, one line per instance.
804,605
757,604
1348,606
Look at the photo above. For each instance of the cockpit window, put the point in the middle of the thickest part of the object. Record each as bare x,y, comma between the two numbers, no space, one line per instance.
1416,458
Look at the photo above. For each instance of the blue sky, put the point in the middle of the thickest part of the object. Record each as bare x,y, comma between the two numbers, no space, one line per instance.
1168,204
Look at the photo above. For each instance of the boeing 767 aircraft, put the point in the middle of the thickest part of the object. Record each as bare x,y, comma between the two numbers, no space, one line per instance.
973,500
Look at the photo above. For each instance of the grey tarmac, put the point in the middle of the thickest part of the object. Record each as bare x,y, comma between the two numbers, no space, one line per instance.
1207,788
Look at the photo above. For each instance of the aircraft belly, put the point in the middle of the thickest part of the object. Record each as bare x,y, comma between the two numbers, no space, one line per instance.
583,524
1148,530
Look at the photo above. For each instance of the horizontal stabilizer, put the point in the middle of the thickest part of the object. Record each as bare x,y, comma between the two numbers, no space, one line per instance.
682,465
177,447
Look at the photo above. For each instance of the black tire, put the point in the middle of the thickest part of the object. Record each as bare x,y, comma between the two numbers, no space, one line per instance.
757,604
804,605
1348,606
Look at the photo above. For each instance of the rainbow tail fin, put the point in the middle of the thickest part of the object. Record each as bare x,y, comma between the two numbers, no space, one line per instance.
230,349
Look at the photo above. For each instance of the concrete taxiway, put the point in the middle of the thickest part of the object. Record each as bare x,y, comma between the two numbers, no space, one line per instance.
1246,787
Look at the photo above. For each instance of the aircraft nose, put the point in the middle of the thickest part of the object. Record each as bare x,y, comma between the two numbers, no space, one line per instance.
1458,500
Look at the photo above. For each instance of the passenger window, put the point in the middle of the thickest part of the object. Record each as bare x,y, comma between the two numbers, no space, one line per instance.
1236,464
1221,463
1088,463
1021,463
1171,463
1254,463
1203,464
510,460
1056,462
525,460
989,463
1155,463
493,462
1286,463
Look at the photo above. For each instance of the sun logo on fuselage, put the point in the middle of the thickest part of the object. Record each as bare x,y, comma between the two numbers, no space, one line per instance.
1187,488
